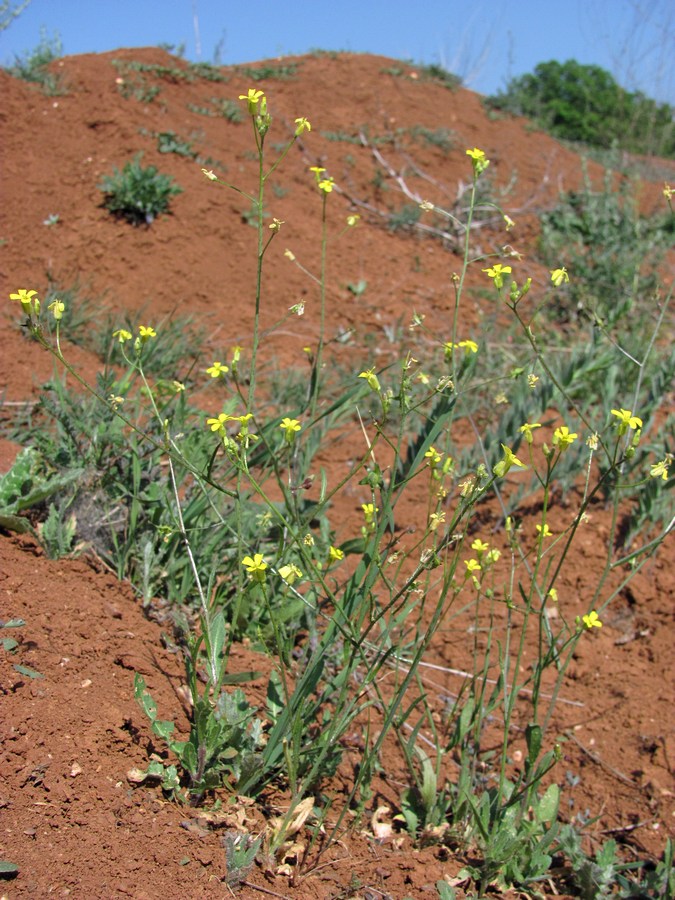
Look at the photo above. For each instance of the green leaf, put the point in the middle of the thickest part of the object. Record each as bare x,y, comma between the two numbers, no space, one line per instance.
8,868
216,642
547,808
144,699
30,673
17,524
533,738
9,644
162,727
13,623
240,677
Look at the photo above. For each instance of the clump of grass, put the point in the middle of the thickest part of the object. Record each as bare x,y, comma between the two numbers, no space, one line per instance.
33,66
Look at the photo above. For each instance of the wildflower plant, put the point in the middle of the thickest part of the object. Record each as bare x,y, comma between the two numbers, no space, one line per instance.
350,615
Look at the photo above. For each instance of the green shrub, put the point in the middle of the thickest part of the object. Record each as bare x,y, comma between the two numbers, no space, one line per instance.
584,103
138,194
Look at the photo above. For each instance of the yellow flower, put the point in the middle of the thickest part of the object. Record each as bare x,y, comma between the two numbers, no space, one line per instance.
553,594
478,160
592,620
434,456
289,255
25,298
326,185
562,438
57,308
526,429
468,346
219,423
290,426
317,171
480,547
626,420
532,380
369,510
290,573
145,332
493,555
559,276
122,335
302,124
660,469
496,273
210,174
335,554
255,567
217,369
509,223
472,565
668,191
352,220
436,519
371,378
510,459
252,98
544,531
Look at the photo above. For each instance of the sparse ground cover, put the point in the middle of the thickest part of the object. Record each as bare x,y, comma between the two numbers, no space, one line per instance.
390,498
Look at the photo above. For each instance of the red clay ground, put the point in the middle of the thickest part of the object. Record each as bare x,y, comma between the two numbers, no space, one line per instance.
70,819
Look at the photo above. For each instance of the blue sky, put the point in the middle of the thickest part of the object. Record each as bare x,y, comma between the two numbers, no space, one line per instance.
485,41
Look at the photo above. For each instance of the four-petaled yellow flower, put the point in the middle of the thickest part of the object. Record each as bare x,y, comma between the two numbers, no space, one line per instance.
122,335
290,426
219,423
626,420
497,273
145,332
562,438
526,429
335,554
472,565
592,620
252,98
371,378
255,567
480,547
326,185
25,298
478,160
302,124
58,308
290,573
217,369
544,531
510,459
559,276
434,456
